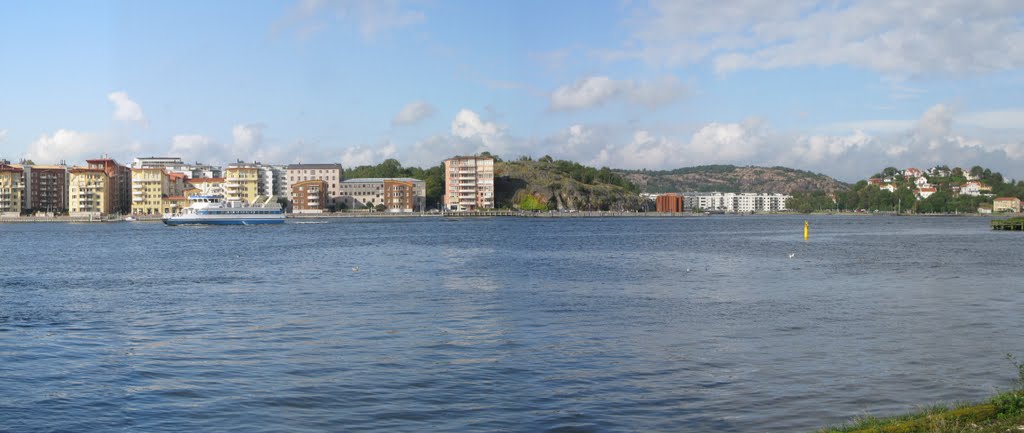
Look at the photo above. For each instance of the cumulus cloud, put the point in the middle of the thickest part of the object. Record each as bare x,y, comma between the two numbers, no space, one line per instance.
76,146
125,109
367,155
371,17
900,38
413,112
597,90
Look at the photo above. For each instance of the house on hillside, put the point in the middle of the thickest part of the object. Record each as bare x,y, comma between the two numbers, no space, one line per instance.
921,181
875,181
974,188
912,173
924,192
1006,204
888,187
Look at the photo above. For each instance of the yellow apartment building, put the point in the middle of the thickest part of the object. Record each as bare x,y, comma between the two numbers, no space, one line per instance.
241,182
149,188
11,189
89,192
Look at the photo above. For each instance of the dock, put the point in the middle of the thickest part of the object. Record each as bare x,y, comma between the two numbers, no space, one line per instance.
1014,224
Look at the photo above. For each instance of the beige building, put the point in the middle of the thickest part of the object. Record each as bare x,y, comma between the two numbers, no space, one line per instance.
309,196
89,192
333,174
396,194
469,183
1006,204
11,189
241,182
149,188
119,184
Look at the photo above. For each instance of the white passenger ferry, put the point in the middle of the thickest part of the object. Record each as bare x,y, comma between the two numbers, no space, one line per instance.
214,209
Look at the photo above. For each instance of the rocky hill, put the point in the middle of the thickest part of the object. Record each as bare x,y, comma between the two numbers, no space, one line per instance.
730,178
548,184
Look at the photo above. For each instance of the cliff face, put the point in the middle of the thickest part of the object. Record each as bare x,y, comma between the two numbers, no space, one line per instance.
729,178
554,186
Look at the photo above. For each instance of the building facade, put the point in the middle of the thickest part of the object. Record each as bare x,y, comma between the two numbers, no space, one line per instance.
119,183
89,192
309,196
11,189
396,194
241,182
669,203
1006,204
150,186
469,183
333,174
735,202
174,164
46,189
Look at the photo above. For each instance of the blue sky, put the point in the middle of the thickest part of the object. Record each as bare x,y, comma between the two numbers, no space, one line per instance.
843,88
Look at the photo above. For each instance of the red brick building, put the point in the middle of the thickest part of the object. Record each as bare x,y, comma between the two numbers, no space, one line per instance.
670,203
310,196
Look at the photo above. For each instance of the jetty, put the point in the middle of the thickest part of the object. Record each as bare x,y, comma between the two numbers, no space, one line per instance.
1014,224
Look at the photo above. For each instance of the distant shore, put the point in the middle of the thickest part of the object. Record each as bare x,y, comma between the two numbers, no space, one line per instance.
488,214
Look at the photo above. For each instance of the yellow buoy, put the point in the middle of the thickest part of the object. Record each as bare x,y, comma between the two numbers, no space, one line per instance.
807,227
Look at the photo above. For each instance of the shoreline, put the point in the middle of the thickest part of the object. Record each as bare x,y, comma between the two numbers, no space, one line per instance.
497,214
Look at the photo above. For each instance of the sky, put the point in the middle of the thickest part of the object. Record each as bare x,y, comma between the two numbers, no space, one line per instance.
844,88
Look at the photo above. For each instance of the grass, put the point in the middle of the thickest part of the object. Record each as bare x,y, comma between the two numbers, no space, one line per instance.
1000,414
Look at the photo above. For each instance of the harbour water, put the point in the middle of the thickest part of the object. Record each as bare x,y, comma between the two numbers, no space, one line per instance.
503,324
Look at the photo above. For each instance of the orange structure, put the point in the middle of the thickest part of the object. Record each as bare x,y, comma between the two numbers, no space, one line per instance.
670,203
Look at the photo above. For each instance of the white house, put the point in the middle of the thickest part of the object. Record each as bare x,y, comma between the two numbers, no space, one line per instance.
911,173
925,191
921,181
974,188
888,187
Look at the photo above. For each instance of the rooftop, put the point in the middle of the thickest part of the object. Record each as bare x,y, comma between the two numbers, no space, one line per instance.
310,166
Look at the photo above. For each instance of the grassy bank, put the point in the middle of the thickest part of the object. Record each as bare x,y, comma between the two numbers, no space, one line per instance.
1000,414
1003,413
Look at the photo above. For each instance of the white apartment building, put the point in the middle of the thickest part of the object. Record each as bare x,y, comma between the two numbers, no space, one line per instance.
469,183
272,180
333,174
174,164
735,202
397,194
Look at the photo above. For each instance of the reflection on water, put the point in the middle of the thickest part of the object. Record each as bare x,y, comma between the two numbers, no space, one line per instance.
685,324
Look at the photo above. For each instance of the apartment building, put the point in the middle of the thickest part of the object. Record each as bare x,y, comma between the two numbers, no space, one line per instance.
309,196
11,189
469,183
735,202
90,192
150,186
174,164
46,189
669,203
241,182
333,174
396,194
119,181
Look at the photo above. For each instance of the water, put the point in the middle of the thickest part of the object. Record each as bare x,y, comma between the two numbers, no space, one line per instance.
502,324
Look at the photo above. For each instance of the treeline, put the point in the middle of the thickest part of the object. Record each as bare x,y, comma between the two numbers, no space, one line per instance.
585,175
432,176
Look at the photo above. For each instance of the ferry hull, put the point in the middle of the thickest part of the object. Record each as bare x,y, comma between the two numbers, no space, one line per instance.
211,221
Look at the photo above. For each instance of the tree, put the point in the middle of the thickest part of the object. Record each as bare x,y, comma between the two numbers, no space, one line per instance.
381,208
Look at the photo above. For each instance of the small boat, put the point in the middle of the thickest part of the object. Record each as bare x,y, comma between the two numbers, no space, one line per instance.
129,219
215,209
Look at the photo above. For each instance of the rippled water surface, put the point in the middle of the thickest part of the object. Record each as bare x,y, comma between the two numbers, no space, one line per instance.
427,324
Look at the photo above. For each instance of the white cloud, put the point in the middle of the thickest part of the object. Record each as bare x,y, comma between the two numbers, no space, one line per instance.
597,90
370,155
825,148
125,109
195,147
413,112
899,38
371,17
247,139
999,119
76,146
468,125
